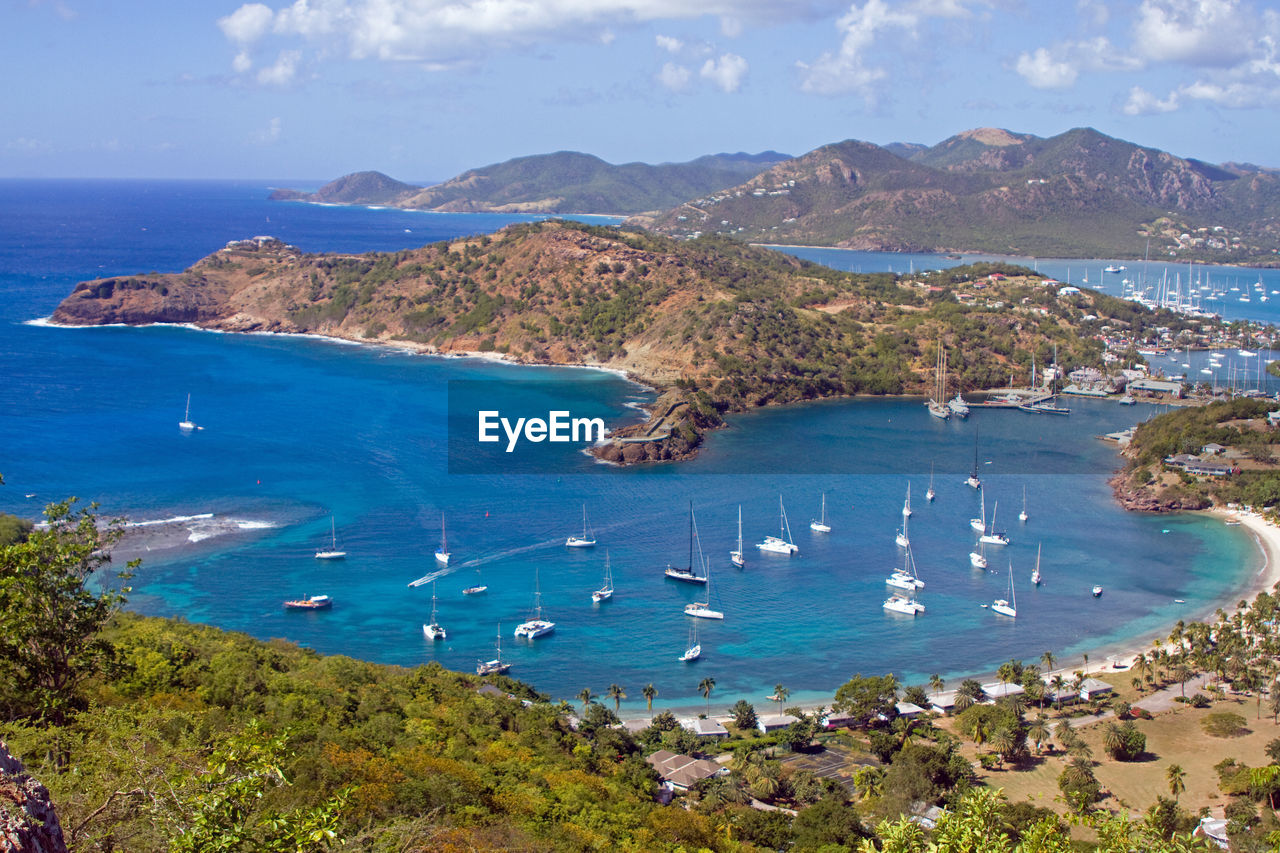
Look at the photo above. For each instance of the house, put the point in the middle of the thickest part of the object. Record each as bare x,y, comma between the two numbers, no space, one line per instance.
1214,829
1064,696
1069,290
705,727
910,710
682,772
1092,688
996,689
836,720
772,722
944,701
1212,449
1157,386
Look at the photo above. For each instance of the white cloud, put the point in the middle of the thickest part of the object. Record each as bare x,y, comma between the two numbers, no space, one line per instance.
851,68
242,62
726,72
1142,102
674,77
283,71
1042,71
669,44
247,24
1199,32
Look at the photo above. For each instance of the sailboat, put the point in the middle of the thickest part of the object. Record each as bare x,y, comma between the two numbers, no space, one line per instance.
605,592
737,557
979,524
478,588
586,540
442,553
991,537
906,507
931,494
495,666
695,648
433,631
905,604
906,577
972,479
686,573
186,424
1009,606
1035,573
537,626
332,552
1022,516
701,609
820,523
978,558
902,539
780,544
936,408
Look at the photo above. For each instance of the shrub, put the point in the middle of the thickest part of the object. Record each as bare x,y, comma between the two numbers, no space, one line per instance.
1224,724
1199,700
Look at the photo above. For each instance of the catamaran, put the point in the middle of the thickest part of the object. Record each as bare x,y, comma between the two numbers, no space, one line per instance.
186,424
442,553
587,539
495,666
686,573
737,557
605,592
780,544
1009,606
991,537
432,630
905,604
820,523
695,648
906,577
537,626
332,552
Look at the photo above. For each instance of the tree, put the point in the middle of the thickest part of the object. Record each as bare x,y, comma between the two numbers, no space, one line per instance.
1048,660
1078,785
865,699
744,714
828,822
617,694
705,687
780,694
1175,774
585,697
50,620
649,692
1038,731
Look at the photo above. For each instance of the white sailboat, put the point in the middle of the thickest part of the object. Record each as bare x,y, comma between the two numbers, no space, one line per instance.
906,577
978,558
701,609
991,537
820,523
587,539
972,480
1022,516
903,540
979,524
931,494
937,408
495,666
605,592
695,648
478,588
442,553
1035,573
332,552
186,424
1097,591
737,557
1009,606
686,573
432,630
780,544
537,626
906,507
905,604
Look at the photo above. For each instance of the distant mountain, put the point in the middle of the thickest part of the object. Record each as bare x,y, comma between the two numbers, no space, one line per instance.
563,182
1078,194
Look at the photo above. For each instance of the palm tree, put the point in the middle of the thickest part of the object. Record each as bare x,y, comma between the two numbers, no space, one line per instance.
1079,772
648,693
1003,742
1048,660
617,694
1112,738
705,687
1086,664
1038,731
963,702
586,696
780,694
936,684
1175,774
1059,684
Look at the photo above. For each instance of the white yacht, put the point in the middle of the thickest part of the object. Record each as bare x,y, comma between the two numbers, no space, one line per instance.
1097,591
332,552
587,539
958,406
903,540
819,524
1022,516
186,424
1035,573
738,558
931,494
495,666
979,524
906,506
905,577
605,592
1009,606
695,648
978,558
991,537
478,588
906,605
701,609
537,626
686,573
442,553
432,630
780,544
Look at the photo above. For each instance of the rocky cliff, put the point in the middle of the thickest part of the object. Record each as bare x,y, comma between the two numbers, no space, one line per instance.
28,819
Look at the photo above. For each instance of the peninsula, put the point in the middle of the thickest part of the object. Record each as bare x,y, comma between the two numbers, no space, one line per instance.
714,325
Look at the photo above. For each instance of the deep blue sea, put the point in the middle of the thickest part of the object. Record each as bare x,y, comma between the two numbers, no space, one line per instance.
297,431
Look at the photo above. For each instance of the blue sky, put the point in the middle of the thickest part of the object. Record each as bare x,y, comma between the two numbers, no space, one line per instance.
424,89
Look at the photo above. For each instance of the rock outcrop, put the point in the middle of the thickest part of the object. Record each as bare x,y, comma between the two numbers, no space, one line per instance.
28,819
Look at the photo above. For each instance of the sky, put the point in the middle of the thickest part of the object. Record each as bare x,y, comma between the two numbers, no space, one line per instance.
424,89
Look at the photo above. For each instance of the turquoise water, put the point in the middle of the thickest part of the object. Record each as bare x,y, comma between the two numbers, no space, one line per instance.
297,430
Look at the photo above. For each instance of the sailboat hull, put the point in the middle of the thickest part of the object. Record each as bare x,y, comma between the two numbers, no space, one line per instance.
701,611
331,555
774,545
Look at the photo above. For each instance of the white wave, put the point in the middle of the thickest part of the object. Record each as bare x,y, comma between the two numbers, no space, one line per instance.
254,525
177,519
